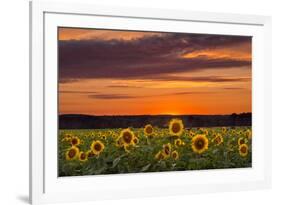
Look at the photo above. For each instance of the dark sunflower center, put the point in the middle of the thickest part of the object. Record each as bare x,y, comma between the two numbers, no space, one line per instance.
174,155
83,156
166,150
127,137
119,142
97,147
243,149
74,141
160,156
242,142
71,153
176,127
199,144
149,130
91,154
218,140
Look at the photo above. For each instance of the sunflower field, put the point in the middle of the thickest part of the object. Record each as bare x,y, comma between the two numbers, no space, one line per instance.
153,149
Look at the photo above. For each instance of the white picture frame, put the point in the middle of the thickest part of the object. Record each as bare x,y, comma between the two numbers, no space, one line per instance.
46,187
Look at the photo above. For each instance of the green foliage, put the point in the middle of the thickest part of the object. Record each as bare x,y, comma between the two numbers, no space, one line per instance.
141,157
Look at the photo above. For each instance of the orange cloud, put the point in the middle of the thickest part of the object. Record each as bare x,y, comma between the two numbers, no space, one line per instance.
87,34
160,74
241,51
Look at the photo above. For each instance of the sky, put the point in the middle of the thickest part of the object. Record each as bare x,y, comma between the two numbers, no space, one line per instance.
112,72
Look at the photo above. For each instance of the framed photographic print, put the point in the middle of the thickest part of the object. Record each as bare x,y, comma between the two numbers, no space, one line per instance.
128,102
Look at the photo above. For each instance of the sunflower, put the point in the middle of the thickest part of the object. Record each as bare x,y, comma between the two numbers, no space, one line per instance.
68,135
175,155
176,127
248,134
223,129
67,138
97,147
191,134
136,140
119,142
103,136
218,139
159,155
75,141
72,153
204,131
128,148
127,136
167,148
241,141
199,143
179,142
83,157
243,150
148,130
114,135
90,154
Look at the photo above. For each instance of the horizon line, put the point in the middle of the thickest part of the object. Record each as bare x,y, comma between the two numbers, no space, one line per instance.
154,114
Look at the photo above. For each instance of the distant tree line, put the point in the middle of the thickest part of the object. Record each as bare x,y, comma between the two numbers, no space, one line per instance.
77,121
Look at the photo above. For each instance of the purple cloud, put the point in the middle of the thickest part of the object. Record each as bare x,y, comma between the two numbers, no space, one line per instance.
144,58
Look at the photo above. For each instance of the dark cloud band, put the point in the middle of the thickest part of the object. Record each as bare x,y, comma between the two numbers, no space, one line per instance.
148,57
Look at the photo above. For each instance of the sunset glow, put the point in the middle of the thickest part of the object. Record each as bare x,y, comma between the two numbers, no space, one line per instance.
105,72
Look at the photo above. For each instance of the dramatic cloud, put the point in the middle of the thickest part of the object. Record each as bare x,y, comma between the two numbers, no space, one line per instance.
111,96
212,79
149,57
87,34
110,72
123,86
67,80
123,96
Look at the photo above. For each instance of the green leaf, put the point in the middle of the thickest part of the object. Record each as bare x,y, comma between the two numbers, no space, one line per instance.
145,168
116,161
215,151
99,171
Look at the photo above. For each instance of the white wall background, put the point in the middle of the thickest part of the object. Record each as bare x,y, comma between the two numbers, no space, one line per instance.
14,99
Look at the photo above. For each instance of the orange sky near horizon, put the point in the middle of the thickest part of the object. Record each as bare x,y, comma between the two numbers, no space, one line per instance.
202,88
